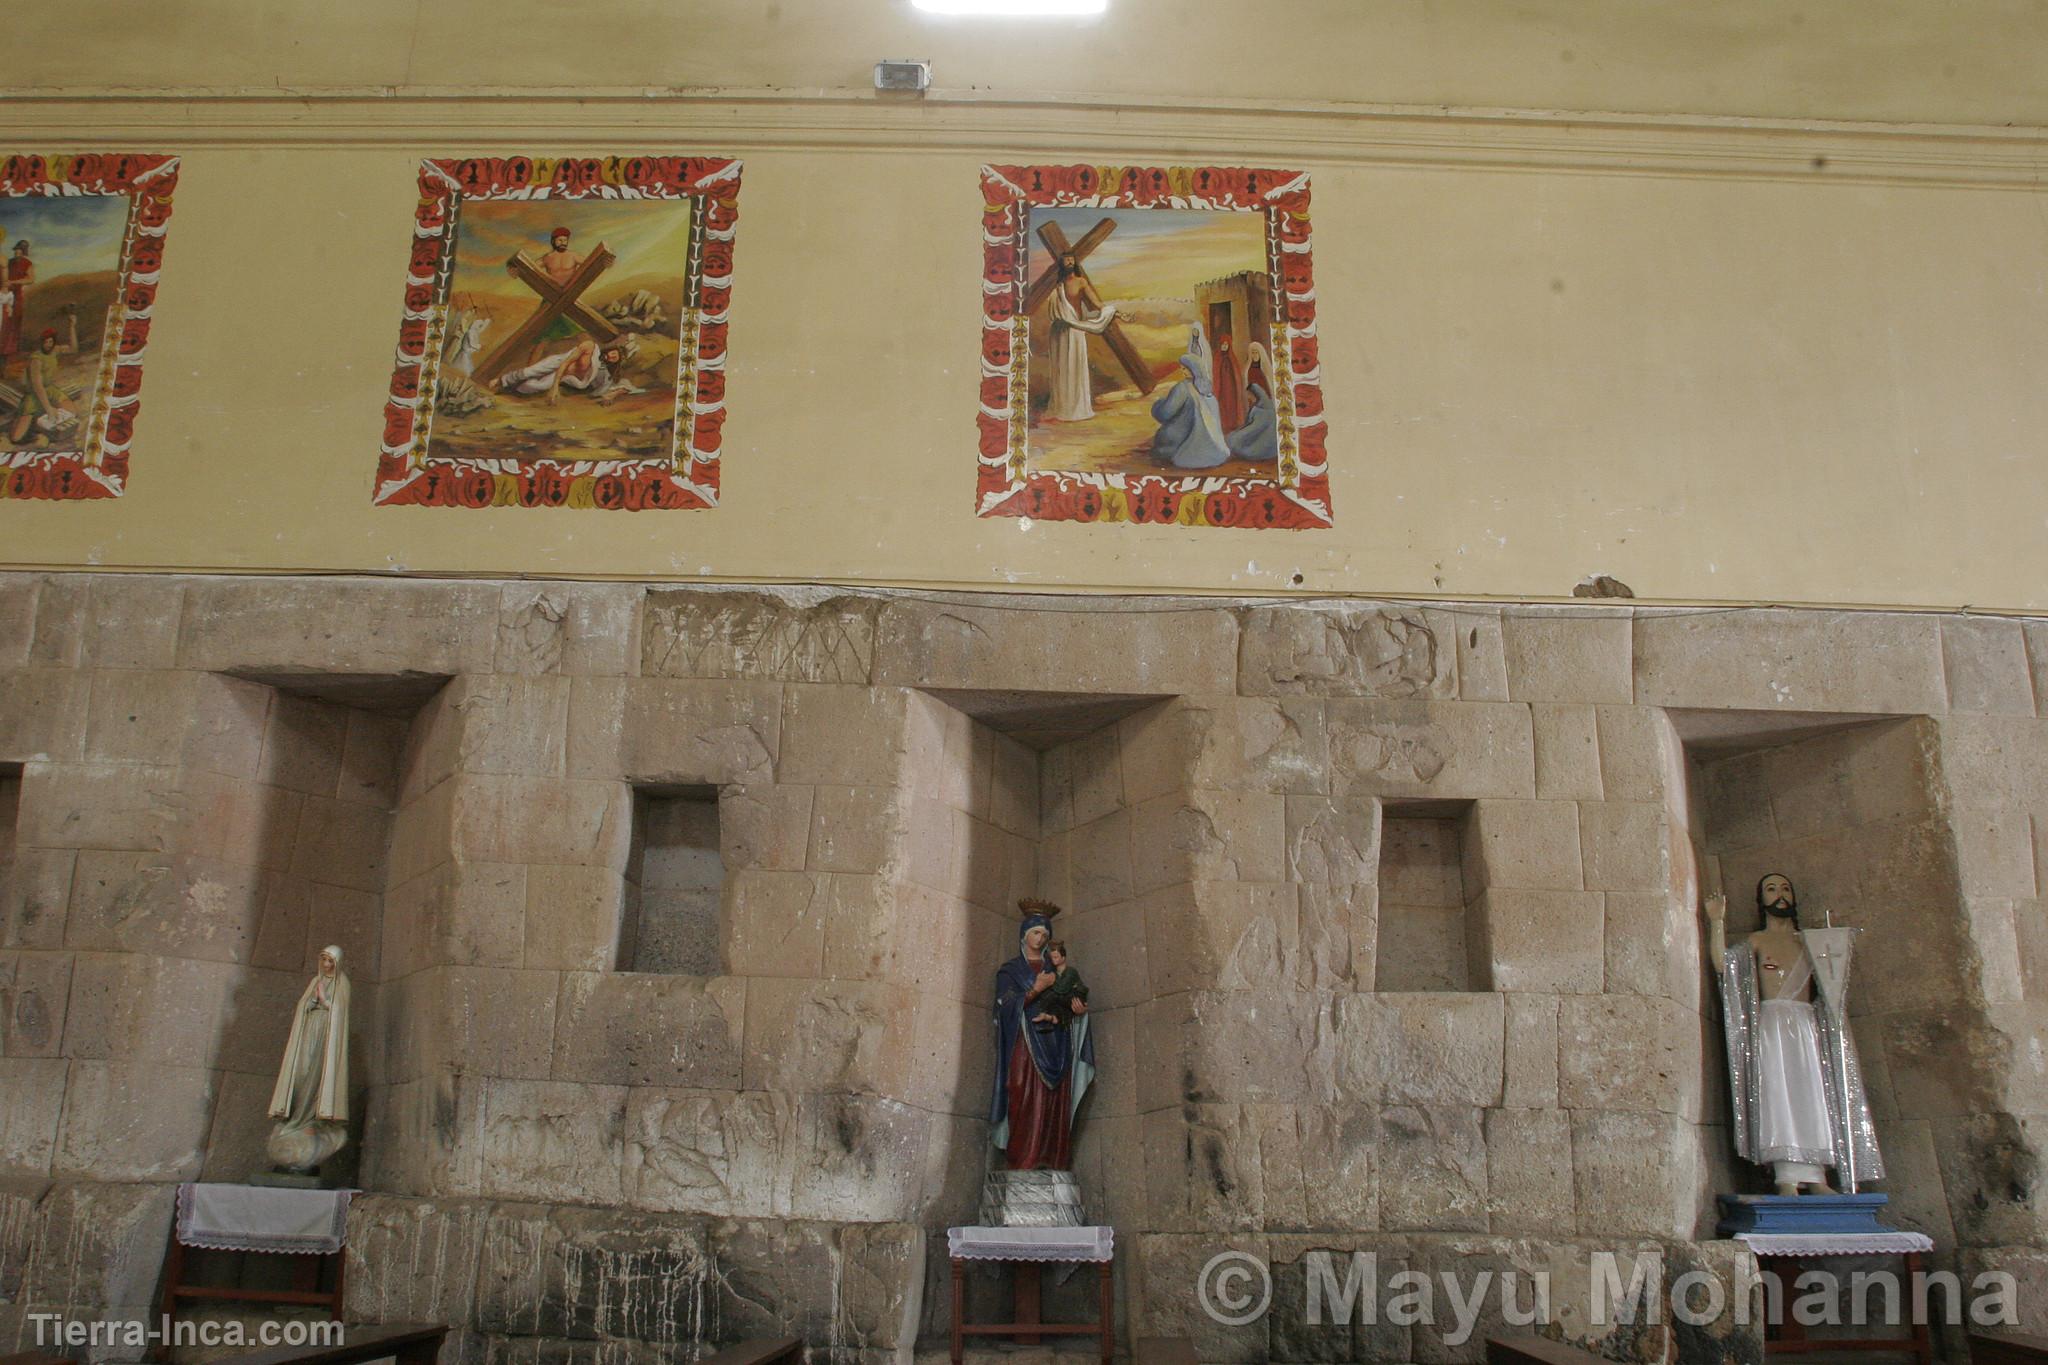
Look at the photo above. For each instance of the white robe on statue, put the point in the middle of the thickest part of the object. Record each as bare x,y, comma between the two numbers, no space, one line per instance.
1072,399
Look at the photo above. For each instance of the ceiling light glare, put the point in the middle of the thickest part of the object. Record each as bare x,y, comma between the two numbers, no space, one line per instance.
1010,9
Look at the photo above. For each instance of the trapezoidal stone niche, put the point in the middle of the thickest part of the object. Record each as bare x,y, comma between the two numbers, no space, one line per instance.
770,1131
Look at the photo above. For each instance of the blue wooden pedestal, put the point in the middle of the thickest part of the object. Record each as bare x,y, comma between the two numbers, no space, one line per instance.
1808,1213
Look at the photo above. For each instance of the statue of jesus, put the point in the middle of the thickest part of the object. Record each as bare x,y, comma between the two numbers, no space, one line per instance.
1795,1082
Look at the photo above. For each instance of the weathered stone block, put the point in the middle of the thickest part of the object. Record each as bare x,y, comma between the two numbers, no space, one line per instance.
572,628
134,1122
1989,1170
1013,787
631,1029
955,645
1094,770
98,1248
856,829
1652,947
338,844
553,1140
1102,856
516,725
1531,1070
35,890
339,625
764,825
1522,845
303,742
542,820
62,601
1232,936
31,1104
17,618
684,731
35,990
1566,655
413,1260
139,716
131,621
1209,836
1426,748
825,1036
1433,1164
1641,758
1984,662
1541,940
43,714
1339,936
1567,742
1115,946
241,1126
1434,1049
1772,660
572,917
693,634
851,736
498,1023
1345,651
1335,841
1168,1266
1632,1174
1994,852
1624,845
1628,1053
774,924
370,760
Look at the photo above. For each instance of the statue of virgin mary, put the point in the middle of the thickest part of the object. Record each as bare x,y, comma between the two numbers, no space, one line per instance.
1041,1073
310,1102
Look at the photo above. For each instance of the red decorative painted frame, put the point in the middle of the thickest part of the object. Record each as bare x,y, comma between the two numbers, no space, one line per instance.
98,466
1298,499
407,472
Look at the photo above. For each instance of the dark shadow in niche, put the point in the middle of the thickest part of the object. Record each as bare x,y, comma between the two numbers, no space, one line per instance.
675,884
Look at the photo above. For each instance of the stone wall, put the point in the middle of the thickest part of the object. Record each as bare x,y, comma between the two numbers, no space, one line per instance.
217,776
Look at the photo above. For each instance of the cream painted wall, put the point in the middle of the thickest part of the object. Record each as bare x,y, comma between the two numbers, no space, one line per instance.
1671,350
1940,61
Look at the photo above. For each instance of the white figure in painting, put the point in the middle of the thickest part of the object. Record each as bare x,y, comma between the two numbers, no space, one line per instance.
1076,315
310,1102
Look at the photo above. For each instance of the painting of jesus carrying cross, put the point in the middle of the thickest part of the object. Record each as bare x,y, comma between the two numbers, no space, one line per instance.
563,342
1149,347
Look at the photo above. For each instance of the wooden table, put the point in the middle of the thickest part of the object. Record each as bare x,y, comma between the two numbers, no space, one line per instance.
1789,1336
1029,1326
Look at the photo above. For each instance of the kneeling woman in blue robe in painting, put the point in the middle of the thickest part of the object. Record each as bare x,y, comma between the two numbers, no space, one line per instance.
1258,440
1190,432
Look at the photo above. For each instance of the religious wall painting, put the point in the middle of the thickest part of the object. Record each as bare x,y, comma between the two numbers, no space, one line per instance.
563,340
82,240
1149,347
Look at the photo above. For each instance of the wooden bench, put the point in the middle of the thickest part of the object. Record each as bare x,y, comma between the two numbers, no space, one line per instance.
2008,1348
36,1358
1164,1351
760,1351
1536,1351
412,1343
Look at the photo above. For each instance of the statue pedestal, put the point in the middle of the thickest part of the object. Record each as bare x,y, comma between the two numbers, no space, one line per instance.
1775,1214
1031,1199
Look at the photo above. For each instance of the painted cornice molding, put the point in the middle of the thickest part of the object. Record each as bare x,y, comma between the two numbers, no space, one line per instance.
979,124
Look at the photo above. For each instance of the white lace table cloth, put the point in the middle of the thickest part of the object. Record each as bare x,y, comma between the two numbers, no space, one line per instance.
1835,1243
262,1218
1030,1244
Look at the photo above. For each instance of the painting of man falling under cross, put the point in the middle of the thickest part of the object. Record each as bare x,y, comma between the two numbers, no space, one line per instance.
1149,347
570,349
